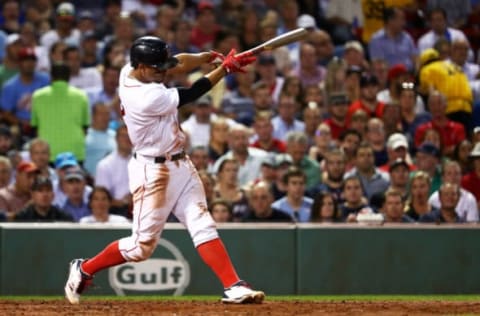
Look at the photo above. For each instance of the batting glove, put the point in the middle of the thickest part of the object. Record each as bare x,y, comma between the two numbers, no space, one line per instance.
233,63
215,57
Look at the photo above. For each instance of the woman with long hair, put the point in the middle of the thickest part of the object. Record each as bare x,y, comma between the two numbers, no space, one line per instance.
417,202
227,188
100,202
324,208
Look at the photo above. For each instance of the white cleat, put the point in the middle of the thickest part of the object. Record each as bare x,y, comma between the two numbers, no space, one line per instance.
241,293
77,281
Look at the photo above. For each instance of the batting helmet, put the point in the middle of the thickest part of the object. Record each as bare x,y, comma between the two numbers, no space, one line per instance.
151,51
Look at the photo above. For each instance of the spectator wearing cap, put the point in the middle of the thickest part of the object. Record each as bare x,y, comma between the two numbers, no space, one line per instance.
338,104
352,82
396,76
313,115
297,148
74,187
471,180
264,138
64,162
64,30
439,29
449,79
393,43
14,197
282,163
332,177
86,22
9,65
368,99
80,77
238,103
206,27
260,201
112,172
376,137
322,143
399,171
354,55
397,148
16,97
451,133
373,179
100,139
60,114
286,121
39,153
410,118
467,208
307,69
427,160
90,48
449,195
267,72
41,208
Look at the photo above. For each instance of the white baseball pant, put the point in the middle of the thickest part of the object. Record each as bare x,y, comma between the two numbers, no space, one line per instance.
158,189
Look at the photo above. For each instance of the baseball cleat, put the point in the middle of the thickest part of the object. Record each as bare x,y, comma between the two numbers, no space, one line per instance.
241,293
77,281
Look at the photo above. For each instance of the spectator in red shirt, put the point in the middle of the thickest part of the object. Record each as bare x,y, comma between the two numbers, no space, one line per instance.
264,134
451,133
206,27
369,88
338,105
471,181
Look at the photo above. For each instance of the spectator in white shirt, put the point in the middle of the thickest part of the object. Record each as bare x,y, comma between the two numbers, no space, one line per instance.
99,202
112,172
466,209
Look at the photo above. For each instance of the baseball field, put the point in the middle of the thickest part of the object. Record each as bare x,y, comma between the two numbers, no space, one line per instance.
277,305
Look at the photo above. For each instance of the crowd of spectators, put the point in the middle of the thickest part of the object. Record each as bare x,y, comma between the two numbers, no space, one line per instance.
376,111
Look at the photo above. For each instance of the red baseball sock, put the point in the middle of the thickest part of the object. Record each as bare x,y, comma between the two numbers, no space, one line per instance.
109,257
215,255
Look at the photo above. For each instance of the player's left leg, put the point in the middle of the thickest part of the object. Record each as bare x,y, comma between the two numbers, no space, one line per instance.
192,211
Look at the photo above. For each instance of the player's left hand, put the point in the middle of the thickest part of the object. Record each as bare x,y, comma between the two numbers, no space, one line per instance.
215,58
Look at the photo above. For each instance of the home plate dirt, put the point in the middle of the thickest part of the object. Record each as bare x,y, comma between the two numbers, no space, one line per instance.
200,308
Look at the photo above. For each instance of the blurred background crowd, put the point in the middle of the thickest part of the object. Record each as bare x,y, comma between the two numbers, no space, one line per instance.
377,111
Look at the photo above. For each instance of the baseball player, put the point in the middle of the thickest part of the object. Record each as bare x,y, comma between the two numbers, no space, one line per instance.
162,178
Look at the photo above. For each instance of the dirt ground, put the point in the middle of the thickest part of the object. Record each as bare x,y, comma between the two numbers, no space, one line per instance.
183,308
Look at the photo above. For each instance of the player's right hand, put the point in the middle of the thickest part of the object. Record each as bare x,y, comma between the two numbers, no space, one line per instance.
234,63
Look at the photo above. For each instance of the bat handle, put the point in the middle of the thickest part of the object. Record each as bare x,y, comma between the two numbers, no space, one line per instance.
252,51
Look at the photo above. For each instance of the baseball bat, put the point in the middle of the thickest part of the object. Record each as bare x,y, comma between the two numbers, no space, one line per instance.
280,40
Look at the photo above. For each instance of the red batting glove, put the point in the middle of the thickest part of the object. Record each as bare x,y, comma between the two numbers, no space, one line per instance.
215,57
233,63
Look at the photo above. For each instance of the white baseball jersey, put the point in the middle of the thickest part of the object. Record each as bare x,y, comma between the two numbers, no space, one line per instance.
150,113
151,116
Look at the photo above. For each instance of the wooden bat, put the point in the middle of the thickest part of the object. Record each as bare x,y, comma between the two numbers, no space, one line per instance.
280,40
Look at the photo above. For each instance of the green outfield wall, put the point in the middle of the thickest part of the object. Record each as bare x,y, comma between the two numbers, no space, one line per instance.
280,259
